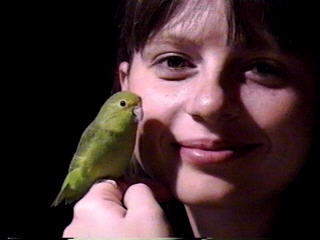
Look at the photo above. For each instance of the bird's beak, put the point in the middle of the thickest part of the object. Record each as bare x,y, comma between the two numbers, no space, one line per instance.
138,113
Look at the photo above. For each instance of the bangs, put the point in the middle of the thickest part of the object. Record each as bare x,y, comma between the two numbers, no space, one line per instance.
141,20
291,24
253,23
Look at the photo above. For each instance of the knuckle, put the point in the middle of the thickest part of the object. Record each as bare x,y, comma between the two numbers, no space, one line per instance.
83,206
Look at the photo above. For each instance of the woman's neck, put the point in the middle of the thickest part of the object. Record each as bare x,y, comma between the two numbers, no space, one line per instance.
240,221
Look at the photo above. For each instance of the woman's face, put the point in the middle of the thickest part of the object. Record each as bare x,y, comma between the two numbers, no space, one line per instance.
223,123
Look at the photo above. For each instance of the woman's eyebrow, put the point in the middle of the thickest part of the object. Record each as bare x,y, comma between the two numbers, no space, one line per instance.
176,39
163,42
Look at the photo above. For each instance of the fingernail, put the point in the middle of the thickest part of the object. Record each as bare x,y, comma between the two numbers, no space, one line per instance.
112,182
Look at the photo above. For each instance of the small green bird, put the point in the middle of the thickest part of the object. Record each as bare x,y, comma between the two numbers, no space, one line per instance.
105,147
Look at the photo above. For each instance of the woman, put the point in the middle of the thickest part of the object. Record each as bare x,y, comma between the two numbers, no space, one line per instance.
230,94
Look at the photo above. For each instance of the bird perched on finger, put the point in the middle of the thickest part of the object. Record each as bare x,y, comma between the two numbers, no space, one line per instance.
105,147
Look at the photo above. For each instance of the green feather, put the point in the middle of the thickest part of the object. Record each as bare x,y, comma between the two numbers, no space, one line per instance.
105,147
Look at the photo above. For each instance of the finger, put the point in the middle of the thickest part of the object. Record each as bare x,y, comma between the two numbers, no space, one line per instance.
160,192
107,190
102,196
144,210
140,198
99,212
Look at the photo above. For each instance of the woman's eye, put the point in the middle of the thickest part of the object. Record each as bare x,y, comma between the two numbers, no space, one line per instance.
264,69
265,73
176,62
174,67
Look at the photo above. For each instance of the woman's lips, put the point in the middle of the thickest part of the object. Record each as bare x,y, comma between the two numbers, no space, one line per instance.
205,151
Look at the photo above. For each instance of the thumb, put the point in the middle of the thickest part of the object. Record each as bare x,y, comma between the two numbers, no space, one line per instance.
102,195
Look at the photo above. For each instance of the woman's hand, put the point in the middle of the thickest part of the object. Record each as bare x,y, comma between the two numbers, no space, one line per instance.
119,210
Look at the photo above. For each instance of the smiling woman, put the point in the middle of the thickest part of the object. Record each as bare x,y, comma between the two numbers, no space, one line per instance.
217,89
231,99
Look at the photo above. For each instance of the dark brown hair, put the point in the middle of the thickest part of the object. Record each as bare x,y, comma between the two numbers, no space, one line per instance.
291,22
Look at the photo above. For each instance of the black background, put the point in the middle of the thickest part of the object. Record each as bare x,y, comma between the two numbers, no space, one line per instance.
58,69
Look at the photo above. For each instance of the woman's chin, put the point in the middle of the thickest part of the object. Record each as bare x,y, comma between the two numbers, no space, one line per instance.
203,192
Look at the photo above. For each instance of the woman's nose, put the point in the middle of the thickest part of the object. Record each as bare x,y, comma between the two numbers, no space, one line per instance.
213,100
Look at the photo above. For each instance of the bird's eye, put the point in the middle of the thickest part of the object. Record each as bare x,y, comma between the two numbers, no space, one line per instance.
123,103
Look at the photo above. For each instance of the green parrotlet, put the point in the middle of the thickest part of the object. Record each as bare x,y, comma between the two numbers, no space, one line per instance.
105,147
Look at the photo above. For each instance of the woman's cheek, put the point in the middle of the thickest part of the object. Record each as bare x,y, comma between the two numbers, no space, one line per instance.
284,117
279,109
